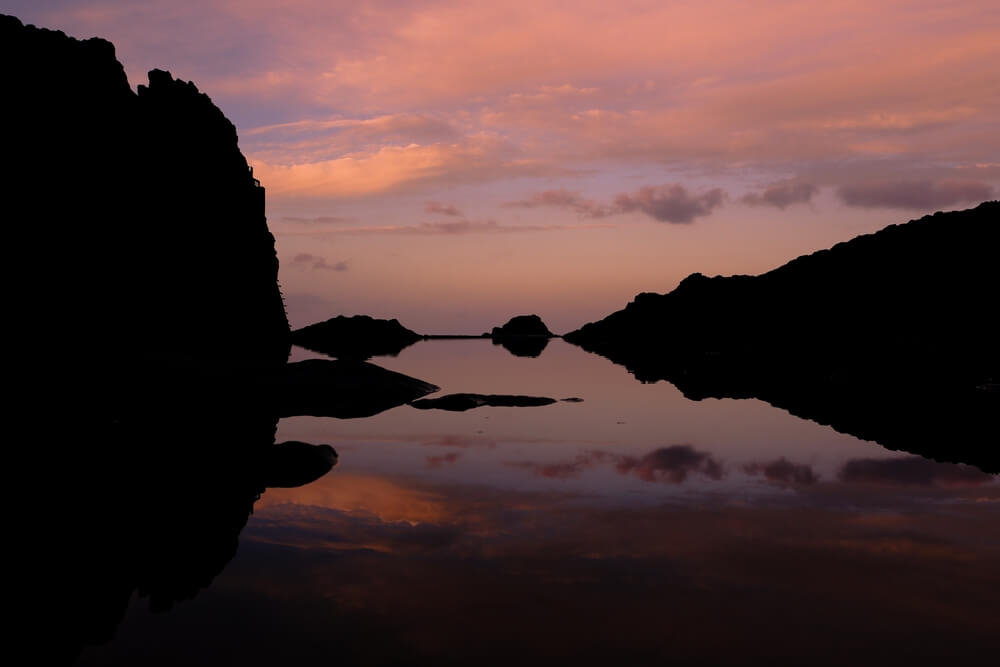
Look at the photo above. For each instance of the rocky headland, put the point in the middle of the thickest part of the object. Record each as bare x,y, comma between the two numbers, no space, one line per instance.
890,336
140,228
146,329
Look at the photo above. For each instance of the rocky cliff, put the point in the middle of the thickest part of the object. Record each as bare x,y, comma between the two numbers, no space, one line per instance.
134,222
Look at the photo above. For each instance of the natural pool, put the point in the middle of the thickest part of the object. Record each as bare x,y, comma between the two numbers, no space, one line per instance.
634,527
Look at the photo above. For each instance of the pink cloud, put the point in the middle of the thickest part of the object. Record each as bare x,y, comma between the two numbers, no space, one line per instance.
919,195
310,261
371,97
443,209
670,203
782,195
564,199
665,203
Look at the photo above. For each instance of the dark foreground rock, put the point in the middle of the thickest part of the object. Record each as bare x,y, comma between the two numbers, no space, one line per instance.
463,402
889,337
359,337
292,463
146,212
343,389
141,273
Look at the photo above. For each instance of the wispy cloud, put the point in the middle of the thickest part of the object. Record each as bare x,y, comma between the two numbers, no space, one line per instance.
442,460
309,261
911,471
665,203
318,220
651,86
916,194
563,198
670,203
782,195
672,465
783,471
443,209
459,227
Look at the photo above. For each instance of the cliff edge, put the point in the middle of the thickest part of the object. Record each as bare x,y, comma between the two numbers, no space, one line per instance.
136,226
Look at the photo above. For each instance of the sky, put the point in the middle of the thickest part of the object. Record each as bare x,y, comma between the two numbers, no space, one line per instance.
453,164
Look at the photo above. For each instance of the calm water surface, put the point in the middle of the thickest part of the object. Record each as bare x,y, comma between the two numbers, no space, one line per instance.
635,526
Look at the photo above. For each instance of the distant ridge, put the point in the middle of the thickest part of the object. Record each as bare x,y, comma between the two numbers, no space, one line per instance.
890,336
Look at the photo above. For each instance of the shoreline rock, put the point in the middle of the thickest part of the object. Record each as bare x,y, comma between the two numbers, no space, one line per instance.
886,337
358,337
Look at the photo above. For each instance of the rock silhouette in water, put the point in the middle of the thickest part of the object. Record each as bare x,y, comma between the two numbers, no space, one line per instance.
889,337
359,337
142,285
522,336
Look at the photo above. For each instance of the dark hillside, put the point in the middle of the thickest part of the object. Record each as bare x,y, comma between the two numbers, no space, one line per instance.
890,336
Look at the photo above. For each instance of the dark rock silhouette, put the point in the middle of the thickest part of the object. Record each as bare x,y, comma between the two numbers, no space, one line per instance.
150,498
522,336
140,227
522,325
463,402
359,337
292,463
889,337
142,293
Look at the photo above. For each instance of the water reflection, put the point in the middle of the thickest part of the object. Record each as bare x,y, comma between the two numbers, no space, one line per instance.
634,528
149,488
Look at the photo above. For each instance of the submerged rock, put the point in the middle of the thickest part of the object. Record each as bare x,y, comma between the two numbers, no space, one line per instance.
463,402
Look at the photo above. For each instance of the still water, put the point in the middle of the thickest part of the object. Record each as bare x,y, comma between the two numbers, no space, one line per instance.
632,527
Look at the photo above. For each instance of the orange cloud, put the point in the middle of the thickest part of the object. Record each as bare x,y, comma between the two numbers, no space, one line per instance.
339,100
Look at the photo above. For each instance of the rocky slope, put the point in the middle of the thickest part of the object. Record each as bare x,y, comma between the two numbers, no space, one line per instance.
890,336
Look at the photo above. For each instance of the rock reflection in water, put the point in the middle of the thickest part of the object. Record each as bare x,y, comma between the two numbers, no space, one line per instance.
154,502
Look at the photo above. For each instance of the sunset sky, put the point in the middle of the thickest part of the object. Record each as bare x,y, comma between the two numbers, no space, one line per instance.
453,164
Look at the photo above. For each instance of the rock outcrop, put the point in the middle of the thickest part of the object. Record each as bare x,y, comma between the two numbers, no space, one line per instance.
359,337
140,275
136,225
522,336
889,337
